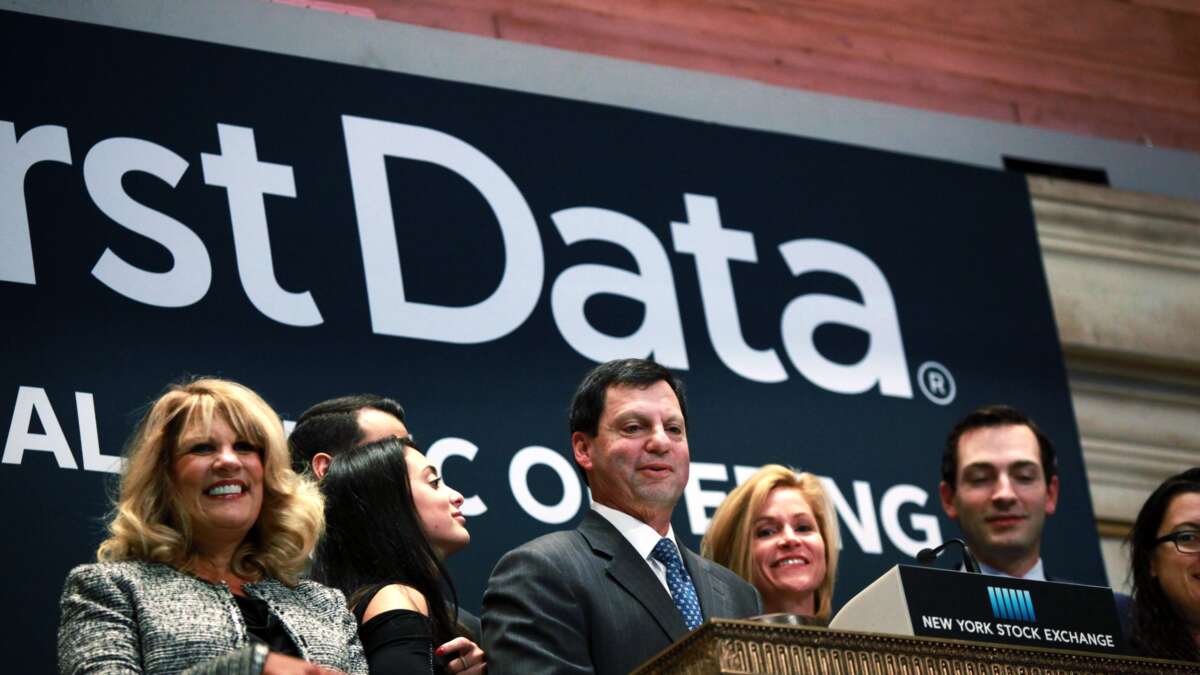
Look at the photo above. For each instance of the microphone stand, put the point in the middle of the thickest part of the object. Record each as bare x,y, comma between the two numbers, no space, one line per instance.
926,556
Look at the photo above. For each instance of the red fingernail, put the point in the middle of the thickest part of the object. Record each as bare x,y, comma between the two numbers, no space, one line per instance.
439,651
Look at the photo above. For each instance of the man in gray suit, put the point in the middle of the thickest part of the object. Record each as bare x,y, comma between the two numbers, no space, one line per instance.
610,594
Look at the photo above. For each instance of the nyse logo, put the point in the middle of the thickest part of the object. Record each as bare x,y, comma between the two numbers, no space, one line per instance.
1011,604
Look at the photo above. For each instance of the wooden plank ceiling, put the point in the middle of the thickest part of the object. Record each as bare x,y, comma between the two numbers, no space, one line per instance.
1121,69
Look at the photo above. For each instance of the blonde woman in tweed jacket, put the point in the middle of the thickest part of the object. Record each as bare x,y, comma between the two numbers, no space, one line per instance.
200,573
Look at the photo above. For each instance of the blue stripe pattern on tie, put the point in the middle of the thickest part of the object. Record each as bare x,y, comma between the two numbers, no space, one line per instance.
682,590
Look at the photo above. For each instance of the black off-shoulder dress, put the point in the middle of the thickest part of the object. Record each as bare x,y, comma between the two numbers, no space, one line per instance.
396,641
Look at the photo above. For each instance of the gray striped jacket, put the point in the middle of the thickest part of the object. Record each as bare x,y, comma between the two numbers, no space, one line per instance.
141,617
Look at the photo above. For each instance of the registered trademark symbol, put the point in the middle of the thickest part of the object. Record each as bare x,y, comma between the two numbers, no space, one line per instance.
936,382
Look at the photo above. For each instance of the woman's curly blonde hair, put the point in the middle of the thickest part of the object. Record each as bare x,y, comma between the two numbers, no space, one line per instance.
728,538
150,521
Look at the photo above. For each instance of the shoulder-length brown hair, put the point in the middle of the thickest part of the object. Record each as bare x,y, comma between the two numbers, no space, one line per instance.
149,521
728,538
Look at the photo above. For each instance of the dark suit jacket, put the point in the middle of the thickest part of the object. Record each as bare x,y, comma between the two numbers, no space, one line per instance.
471,623
1124,613
584,601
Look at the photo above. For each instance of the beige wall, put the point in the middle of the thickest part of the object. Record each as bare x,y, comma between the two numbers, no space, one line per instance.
1124,275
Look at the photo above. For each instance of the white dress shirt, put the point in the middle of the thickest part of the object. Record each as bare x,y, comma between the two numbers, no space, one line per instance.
641,536
1035,573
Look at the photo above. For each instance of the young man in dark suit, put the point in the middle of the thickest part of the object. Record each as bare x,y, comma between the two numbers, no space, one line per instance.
607,596
1000,482
336,425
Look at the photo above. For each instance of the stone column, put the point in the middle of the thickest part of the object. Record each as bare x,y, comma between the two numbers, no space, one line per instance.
1124,276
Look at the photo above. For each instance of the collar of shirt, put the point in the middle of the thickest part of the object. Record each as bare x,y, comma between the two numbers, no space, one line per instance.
1036,573
641,536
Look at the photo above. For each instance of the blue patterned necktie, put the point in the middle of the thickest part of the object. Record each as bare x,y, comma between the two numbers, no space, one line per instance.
682,590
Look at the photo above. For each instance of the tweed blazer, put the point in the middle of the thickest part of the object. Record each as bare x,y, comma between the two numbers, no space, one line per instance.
584,601
143,617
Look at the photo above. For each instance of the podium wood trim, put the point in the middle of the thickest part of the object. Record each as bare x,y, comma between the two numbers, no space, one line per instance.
741,647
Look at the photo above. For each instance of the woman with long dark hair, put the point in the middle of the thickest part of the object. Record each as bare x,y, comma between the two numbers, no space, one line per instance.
1165,550
391,521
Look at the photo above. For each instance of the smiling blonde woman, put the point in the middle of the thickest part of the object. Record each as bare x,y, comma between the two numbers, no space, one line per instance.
210,531
777,531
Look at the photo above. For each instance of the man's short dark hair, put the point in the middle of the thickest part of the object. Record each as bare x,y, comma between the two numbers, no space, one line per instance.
588,403
332,426
995,416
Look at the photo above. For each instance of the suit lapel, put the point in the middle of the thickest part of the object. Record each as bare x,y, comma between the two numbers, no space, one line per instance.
633,574
709,589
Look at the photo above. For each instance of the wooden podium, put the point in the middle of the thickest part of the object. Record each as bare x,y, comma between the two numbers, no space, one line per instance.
726,646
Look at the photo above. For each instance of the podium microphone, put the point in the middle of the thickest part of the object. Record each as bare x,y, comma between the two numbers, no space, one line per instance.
927,555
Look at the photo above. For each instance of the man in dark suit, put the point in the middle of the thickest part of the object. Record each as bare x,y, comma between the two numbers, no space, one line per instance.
1000,482
607,596
336,425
